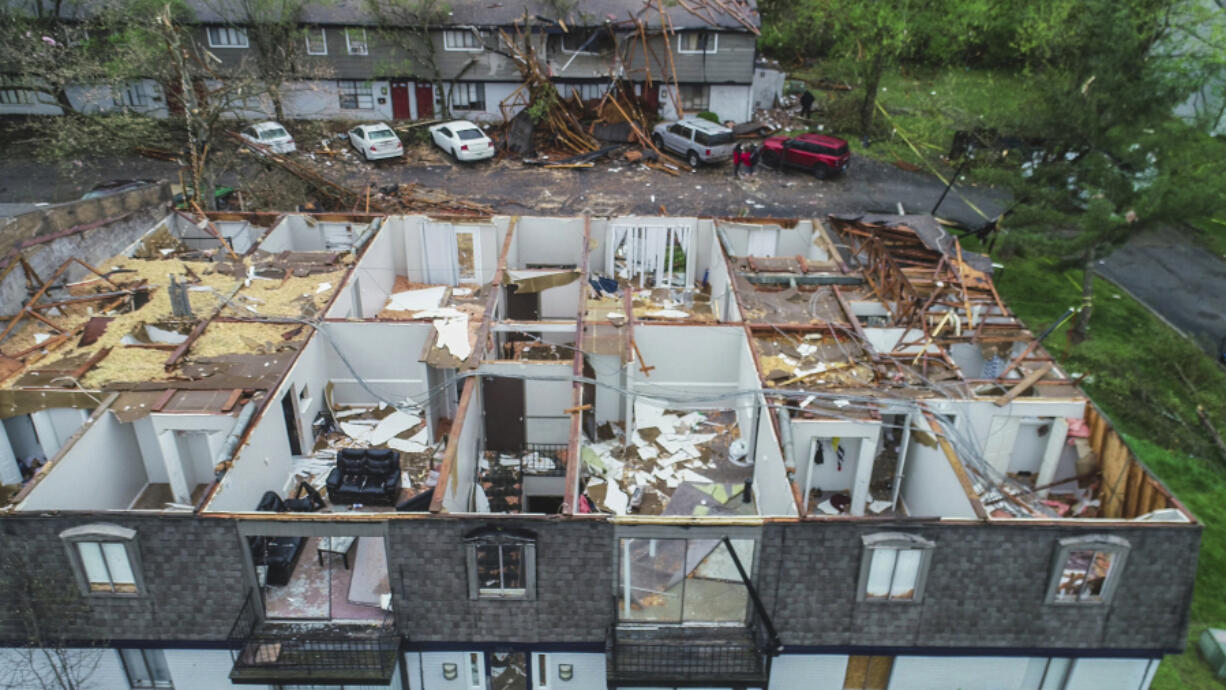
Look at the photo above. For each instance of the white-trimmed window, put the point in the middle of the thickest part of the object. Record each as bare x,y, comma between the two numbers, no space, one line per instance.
476,670
468,95
355,95
105,558
316,41
587,90
227,37
501,563
146,668
697,42
463,39
695,98
1087,569
590,42
894,567
355,41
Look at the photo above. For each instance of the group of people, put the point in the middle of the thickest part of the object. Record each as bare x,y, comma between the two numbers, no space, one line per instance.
745,156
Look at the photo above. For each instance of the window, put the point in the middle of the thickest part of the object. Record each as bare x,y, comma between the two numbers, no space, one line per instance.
468,95
587,91
105,558
697,42
316,41
146,668
695,97
355,41
868,672
133,94
542,671
476,670
501,563
355,95
463,39
14,96
894,567
594,42
227,37
1087,569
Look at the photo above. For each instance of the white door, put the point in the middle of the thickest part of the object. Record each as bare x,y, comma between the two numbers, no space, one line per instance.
439,255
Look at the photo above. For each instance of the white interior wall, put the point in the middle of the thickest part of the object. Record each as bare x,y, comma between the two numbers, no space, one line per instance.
55,425
22,438
385,355
561,302
691,361
198,470
930,488
545,402
549,241
457,494
721,285
609,372
102,470
772,488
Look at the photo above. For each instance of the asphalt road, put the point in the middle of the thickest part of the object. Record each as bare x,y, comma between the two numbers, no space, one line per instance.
610,187
1177,279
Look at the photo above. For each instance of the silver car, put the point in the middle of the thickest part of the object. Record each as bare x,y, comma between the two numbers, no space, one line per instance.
698,140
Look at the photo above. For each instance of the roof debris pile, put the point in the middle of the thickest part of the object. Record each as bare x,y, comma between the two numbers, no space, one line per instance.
456,312
675,463
813,360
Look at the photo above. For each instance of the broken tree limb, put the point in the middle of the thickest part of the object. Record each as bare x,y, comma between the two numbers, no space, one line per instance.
1024,385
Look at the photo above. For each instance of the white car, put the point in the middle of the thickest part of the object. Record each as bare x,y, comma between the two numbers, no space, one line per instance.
463,140
376,141
270,134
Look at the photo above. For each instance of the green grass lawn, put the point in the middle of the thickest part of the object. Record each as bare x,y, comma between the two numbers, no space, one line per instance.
1149,380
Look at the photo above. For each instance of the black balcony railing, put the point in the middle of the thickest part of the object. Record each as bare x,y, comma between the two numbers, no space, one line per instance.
543,459
272,653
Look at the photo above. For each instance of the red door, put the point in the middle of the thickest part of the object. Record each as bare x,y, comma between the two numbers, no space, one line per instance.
400,100
425,101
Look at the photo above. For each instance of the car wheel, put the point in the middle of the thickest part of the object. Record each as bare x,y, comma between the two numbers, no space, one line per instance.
770,160
658,141
821,172
455,155
692,159
366,155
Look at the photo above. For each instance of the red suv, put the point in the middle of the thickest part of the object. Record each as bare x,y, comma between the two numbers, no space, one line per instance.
822,155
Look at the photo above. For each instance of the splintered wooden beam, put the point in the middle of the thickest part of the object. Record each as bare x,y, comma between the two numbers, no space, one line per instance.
89,363
1024,385
186,344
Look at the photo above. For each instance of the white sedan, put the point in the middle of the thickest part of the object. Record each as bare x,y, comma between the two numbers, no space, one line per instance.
376,141
463,140
271,135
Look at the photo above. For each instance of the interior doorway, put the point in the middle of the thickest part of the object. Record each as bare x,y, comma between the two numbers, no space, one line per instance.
291,422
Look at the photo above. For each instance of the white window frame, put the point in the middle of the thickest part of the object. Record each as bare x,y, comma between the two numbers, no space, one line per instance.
323,34
458,40
361,89
500,538
101,535
469,89
586,36
712,41
1100,543
144,659
896,541
349,43
232,35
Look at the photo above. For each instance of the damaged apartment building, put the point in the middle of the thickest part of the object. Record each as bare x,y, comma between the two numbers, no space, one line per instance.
545,453
357,60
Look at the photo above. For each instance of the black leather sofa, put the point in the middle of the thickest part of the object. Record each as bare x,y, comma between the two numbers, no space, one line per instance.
280,554
365,475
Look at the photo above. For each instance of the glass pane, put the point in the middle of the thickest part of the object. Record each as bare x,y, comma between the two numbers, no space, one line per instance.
880,570
95,568
155,660
1096,578
650,579
465,255
489,568
513,567
134,662
1073,575
117,561
906,574
475,678
508,671
714,591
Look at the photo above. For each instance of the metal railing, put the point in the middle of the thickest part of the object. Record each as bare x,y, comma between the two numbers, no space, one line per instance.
543,459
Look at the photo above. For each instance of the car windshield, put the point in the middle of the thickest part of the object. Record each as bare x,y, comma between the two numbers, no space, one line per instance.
716,139
469,134
375,134
275,133
841,151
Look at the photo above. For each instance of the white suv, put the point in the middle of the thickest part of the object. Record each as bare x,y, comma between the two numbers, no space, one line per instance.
698,140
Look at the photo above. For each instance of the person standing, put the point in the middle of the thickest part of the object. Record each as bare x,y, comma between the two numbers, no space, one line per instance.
806,103
751,157
736,160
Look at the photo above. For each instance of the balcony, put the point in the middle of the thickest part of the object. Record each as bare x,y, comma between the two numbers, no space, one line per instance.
274,653
680,656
